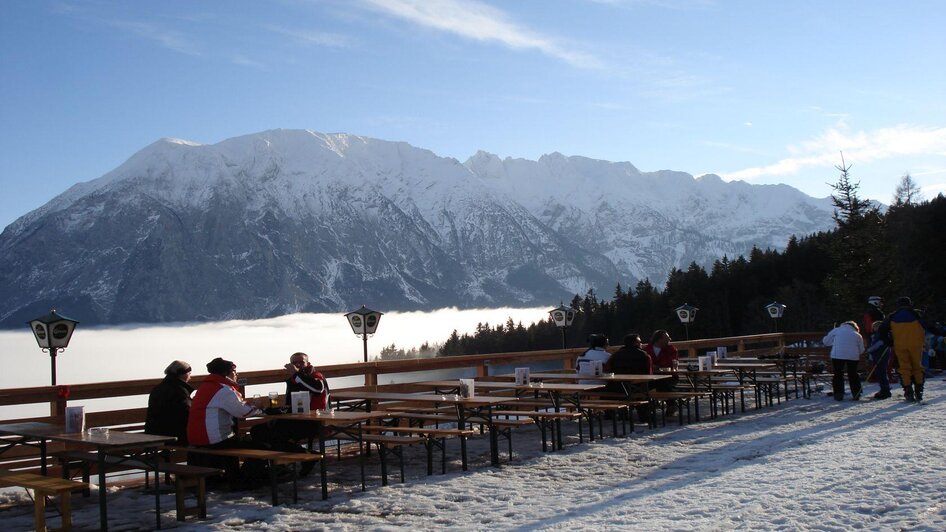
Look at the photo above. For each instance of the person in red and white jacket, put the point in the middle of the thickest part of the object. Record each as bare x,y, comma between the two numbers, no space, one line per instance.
217,404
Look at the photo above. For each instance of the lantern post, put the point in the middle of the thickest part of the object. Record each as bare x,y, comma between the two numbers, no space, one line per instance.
53,332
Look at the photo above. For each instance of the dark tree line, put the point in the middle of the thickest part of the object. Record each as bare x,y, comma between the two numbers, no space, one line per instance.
822,278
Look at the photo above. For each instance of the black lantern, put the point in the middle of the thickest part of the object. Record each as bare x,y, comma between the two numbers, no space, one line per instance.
563,317
364,321
687,315
53,332
775,310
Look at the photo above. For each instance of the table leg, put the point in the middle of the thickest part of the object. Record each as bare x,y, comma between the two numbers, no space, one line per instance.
323,473
103,508
461,424
155,454
493,437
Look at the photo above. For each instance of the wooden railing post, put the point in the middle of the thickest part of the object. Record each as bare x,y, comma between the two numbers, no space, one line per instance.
482,370
371,375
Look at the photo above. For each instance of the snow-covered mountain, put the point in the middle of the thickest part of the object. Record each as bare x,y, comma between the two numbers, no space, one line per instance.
285,221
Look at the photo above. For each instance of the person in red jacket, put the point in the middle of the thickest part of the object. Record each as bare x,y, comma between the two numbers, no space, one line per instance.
217,405
664,356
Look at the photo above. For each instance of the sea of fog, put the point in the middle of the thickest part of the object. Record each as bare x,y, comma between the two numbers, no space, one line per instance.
129,352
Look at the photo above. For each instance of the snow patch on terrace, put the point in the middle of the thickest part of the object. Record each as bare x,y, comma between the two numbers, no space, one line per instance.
804,465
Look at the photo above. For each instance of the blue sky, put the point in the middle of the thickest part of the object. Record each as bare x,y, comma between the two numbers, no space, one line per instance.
765,91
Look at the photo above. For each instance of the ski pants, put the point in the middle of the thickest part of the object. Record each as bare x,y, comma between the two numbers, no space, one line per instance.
854,380
910,357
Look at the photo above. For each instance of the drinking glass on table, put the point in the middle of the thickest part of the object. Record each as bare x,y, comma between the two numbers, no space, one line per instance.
273,399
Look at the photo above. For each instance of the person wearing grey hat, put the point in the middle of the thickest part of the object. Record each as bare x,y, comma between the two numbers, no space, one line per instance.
169,403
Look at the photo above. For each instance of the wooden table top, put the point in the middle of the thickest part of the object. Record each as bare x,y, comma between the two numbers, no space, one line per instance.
492,385
421,398
338,416
606,377
55,432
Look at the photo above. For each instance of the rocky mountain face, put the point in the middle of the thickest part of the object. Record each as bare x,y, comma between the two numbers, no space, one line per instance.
289,221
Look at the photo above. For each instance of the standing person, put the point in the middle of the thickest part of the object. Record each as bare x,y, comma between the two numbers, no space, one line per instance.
597,351
217,406
169,403
875,314
846,344
879,353
907,329
664,357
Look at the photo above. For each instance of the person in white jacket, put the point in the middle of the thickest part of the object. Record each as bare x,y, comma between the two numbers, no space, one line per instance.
846,344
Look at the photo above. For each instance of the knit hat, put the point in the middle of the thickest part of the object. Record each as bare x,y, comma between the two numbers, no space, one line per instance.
177,368
219,366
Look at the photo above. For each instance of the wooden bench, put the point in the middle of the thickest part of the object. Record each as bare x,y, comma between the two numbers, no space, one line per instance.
391,444
435,437
186,477
272,458
42,487
683,397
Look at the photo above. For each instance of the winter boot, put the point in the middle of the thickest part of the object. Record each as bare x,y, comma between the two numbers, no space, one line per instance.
882,394
908,393
918,391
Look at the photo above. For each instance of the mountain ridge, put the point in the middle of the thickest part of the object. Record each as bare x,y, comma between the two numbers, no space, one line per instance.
295,220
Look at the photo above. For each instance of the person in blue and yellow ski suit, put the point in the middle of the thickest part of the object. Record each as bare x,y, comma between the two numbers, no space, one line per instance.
906,329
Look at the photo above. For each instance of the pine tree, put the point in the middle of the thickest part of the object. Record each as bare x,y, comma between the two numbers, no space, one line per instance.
862,263
907,192
848,206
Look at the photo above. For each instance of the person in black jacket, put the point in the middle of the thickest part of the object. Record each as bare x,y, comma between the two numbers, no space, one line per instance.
169,403
631,359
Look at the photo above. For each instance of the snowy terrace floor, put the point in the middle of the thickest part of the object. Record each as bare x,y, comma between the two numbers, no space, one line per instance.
814,464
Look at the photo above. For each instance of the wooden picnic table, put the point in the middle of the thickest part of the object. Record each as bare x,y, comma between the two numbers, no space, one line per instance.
557,392
343,422
466,408
627,381
144,448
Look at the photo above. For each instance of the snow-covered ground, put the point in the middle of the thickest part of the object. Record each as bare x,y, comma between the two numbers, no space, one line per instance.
813,464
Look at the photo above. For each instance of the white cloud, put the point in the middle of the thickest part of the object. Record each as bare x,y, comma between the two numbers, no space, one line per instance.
860,146
480,22
169,39
313,38
931,191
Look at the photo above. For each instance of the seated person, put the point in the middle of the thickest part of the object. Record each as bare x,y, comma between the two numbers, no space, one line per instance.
170,402
631,360
288,435
302,377
664,356
597,351
217,406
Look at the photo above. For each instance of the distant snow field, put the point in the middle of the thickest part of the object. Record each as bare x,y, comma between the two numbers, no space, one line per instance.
812,464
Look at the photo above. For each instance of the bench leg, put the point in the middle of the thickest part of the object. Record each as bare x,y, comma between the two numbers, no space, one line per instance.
39,511
384,464
65,509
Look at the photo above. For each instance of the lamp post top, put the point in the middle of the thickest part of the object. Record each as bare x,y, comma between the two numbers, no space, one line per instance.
562,316
52,317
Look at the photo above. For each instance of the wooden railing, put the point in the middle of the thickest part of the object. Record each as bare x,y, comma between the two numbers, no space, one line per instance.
58,397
